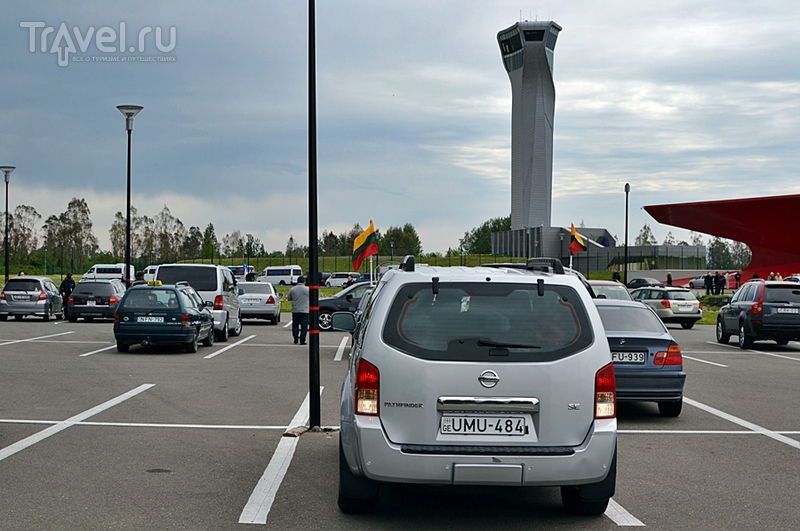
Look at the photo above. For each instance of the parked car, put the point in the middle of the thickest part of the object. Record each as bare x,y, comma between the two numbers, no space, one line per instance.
478,376
30,295
648,363
608,289
258,300
95,298
672,305
281,275
640,282
346,300
336,280
160,314
761,310
698,282
216,285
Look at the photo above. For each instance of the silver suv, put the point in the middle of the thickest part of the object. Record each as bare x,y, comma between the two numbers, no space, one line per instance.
216,285
478,376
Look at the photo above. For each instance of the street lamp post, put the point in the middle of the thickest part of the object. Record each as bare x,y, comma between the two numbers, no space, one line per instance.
130,111
7,171
627,191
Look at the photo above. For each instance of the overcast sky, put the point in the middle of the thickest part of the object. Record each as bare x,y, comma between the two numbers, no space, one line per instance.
686,101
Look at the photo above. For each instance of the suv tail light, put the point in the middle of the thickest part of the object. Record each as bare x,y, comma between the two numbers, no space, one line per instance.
367,382
665,303
757,309
111,300
270,300
116,318
605,393
218,302
185,320
672,356
2,295
71,300
42,295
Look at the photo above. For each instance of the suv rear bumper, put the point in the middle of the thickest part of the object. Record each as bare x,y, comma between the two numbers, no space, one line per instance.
782,331
371,454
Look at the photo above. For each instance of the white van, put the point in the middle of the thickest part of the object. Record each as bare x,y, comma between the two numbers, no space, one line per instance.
150,272
108,271
281,275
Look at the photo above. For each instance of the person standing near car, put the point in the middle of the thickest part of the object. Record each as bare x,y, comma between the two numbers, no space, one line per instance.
615,276
738,279
298,296
66,289
669,279
708,282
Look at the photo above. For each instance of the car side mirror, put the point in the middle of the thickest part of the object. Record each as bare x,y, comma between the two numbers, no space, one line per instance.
241,291
208,304
349,297
344,321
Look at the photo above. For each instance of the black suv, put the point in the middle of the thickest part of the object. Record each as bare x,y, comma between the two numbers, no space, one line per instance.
761,310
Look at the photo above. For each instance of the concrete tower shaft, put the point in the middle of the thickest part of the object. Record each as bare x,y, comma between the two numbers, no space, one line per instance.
527,52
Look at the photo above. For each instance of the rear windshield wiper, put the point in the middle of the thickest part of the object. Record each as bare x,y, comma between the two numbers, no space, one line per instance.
490,343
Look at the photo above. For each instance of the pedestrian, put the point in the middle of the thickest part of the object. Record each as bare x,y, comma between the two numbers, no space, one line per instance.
615,276
349,282
778,276
720,284
21,274
669,279
298,296
708,283
738,279
771,275
139,279
755,274
66,289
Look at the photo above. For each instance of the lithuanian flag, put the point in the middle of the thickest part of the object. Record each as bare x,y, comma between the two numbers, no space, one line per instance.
575,241
365,244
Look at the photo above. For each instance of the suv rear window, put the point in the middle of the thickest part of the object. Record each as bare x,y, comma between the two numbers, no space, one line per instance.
782,294
481,321
95,288
200,278
677,295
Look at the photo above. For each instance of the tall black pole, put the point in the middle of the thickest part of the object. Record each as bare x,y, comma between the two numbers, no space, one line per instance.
627,191
6,237
313,274
126,274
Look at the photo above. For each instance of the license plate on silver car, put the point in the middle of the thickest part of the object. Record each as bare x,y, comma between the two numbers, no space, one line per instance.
627,357
479,425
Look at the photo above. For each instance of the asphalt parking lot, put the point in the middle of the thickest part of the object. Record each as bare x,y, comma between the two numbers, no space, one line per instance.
161,439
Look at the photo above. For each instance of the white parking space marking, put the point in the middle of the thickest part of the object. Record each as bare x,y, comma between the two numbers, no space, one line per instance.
287,325
284,345
220,351
35,338
153,425
340,351
620,516
98,350
703,361
745,424
260,502
60,426
756,351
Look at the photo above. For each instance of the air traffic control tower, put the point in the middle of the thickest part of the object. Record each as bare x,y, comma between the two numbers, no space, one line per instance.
527,51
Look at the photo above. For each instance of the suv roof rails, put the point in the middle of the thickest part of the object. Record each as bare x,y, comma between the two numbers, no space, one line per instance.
547,265
408,263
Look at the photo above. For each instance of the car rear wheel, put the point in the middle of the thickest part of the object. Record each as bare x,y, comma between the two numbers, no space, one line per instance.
687,326
670,409
192,347
276,319
592,499
722,337
18,318
357,494
238,328
47,313
3,317
122,347
325,320
209,340
745,341
222,335
72,319
782,341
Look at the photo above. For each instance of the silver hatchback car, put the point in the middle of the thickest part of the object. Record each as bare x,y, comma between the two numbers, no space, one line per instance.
478,376
30,295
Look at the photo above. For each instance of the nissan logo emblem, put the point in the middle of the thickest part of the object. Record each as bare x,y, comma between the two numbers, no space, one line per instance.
488,379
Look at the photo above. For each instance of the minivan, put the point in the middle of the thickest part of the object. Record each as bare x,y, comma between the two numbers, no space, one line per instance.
109,271
281,275
216,286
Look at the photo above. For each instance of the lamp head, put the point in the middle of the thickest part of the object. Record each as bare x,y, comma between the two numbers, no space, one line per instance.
7,171
627,188
129,111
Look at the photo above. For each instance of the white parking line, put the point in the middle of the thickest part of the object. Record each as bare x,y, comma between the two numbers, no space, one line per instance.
287,325
52,430
35,338
98,350
260,502
620,516
756,351
340,351
703,361
745,424
220,351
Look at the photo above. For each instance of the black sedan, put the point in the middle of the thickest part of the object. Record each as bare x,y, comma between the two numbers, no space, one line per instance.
643,282
346,300
647,361
163,315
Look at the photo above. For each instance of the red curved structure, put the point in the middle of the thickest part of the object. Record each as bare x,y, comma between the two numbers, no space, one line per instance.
767,225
